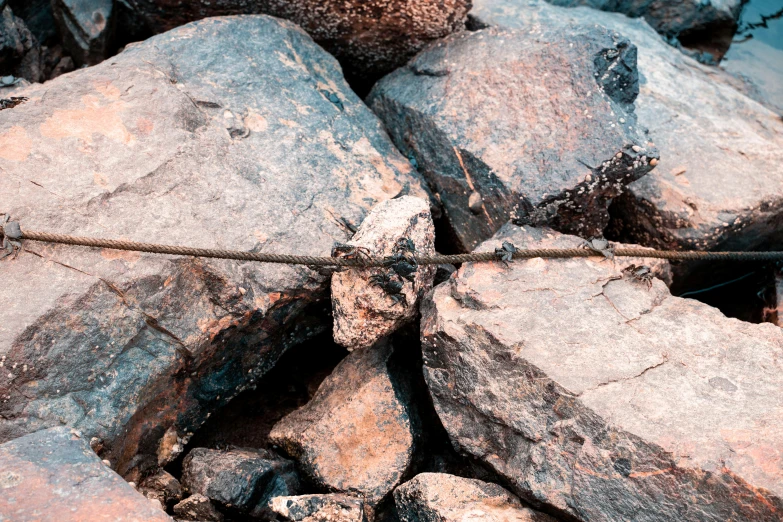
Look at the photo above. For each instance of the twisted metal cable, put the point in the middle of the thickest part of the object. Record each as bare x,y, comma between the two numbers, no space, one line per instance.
371,261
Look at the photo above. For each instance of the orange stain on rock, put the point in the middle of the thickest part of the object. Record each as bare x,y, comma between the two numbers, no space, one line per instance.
15,145
144,126
96,117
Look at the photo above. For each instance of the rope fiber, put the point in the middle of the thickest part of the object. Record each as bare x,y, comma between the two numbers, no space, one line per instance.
381,261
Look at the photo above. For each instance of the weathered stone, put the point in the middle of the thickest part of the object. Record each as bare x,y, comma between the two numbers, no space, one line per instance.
602,398
20,54
368,303
439,497
198,507
54,475
244,480
370,38
539,123
319,508
173,141
706,192
706,26
87,28
750,62
161,486
356,435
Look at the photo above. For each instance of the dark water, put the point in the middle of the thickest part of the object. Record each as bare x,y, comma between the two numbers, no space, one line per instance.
761,20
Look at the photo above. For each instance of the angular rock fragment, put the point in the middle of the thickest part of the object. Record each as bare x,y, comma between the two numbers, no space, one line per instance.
537,126
87,27
357,434
439,497
369,37
707,192
370,303
332,507
161,486
602,398
54,475
173,141
240,479
706,26
20,52
198,507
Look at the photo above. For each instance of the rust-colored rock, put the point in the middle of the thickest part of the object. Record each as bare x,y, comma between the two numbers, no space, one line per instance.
369,37
532,125
173,141
53,475
439,497
371,303
601,398
356,435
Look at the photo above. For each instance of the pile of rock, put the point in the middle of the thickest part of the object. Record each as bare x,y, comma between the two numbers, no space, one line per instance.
537,390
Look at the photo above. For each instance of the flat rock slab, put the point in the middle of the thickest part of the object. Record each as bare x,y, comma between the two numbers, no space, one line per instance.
370,37
356,435
364,309
536,126
719,183
333,507
173,141
241,479
439,497
54,475
594,395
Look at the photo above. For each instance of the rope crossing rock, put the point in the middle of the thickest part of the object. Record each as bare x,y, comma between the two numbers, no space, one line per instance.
12,235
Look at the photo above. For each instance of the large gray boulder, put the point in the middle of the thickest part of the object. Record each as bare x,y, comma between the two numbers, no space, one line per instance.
54,475
719,185
369,37
533,125
174,141
602,398
758,69
706,26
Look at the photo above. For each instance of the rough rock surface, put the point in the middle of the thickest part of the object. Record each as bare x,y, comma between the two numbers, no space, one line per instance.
174,142
333,507
707,191
357,434
54,475
439,497
198,507
363,310
240,479
705,25
533,125
87,27
603,399
20,53
752,63
370,37
163,487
